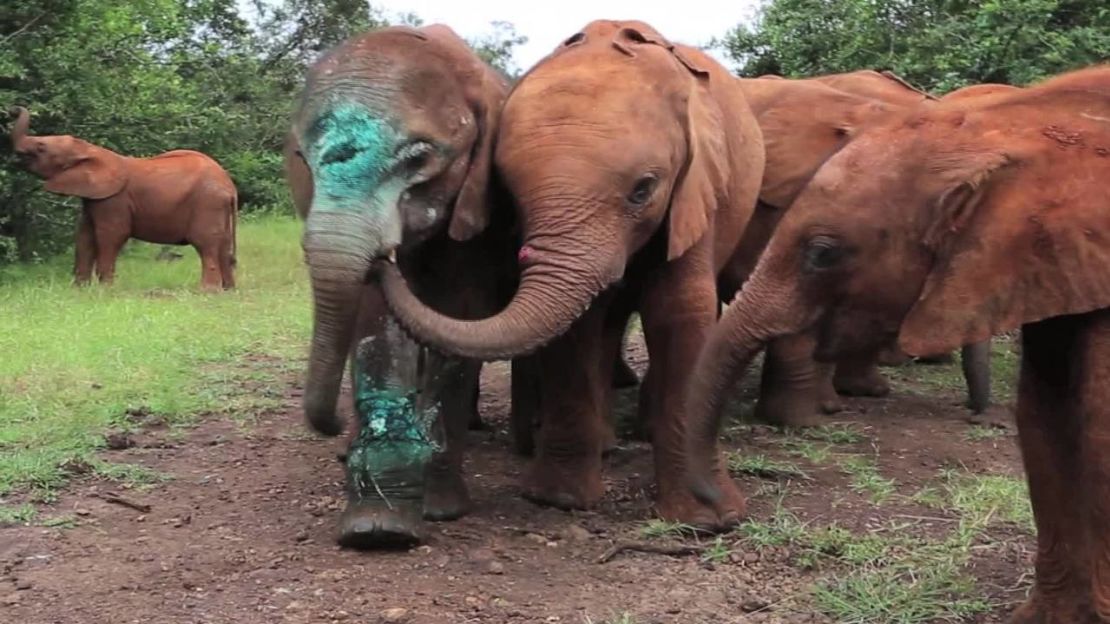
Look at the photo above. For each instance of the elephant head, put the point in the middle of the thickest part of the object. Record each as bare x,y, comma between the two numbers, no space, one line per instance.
612,140
69,165
391,144
937,228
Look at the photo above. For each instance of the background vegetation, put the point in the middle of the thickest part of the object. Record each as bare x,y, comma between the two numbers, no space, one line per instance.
938,45
146,76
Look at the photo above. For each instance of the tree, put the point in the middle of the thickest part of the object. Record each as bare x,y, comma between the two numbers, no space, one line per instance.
938,45
496,48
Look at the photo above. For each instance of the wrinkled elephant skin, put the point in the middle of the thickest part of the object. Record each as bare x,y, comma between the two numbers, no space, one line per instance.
894,238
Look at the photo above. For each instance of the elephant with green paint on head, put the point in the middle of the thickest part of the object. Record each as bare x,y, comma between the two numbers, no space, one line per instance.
389,156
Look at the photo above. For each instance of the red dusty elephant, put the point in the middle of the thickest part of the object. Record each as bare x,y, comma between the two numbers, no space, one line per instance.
635,166
944,226
180,197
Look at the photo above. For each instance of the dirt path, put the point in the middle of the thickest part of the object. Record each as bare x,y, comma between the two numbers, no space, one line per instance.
242,533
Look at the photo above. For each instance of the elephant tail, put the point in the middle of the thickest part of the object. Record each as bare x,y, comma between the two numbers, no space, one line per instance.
233,218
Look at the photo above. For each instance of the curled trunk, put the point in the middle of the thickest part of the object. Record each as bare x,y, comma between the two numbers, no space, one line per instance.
21,125
550,298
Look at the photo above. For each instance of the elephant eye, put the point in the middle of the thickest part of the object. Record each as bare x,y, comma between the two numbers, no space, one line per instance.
643,190
339,154
413,157
823,253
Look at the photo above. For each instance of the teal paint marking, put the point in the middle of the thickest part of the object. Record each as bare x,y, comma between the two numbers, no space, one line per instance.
350,149
385,462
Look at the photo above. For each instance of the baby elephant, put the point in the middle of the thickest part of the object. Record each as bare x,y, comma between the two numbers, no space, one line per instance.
178,198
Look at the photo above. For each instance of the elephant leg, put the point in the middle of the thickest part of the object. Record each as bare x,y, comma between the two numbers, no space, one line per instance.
108,246
445,492
613,336
678,308
85,254
1093,410
860,376
210,275
976,363
473,394
388,456
227,266
1049,435
827,397
788,390
574,384
524,412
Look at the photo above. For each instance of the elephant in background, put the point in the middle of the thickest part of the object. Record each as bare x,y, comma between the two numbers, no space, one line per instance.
390,156
180,197
804,122
884,86
895,237
615,219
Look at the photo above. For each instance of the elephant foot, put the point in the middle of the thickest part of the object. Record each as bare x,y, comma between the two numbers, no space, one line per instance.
368,527
788,410
445,495
623,375
1039,611
995,416
864,381
566,484
676,504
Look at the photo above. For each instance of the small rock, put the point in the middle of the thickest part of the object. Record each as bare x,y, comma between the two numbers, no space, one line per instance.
751,557
81,511
10,600
753,603
293,606
495,567
577,533
396,615
23,584
301,537
536,538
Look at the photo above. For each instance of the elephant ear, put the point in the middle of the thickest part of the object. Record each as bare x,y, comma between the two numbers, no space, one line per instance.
1011,248
695,195
471,213
298,176
86,171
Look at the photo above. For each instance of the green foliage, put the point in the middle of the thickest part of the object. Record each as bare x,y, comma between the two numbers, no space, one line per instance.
80,361
938,45
145,76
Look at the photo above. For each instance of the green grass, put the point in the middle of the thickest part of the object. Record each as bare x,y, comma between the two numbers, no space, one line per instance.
885,575
16,514
977,433
760,465
77,360
656,528
864,478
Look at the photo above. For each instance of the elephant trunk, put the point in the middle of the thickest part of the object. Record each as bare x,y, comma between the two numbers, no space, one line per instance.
760,313
338,259
20,127
552,294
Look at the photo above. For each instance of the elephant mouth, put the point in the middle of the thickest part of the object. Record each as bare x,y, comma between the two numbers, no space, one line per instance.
379,264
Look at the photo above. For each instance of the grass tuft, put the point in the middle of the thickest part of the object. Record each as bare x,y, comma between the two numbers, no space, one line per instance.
760,465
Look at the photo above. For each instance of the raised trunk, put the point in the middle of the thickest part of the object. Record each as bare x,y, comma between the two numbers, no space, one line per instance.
760,314
338,259
19,128
550,298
